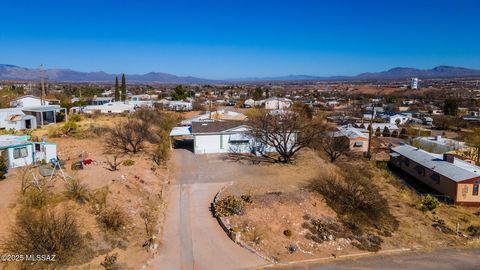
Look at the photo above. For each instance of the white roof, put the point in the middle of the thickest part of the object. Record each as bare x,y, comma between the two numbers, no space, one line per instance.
458,171
181,131
350,132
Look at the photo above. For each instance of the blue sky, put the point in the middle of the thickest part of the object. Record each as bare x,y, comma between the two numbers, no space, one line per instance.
244,38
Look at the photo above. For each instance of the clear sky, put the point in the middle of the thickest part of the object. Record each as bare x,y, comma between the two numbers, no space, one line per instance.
243,38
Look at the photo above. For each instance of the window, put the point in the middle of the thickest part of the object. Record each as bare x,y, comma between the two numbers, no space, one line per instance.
475,188
436,178
20,152
406,161
420,170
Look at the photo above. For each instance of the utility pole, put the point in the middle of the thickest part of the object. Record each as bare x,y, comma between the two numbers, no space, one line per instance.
370,133
42,81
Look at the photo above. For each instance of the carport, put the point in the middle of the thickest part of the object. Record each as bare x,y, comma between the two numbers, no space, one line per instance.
45,114
182,138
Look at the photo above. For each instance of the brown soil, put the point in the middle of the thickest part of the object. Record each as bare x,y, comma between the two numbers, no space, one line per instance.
132,188
280,202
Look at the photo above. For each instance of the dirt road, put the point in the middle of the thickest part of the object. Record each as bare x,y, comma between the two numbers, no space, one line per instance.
192,238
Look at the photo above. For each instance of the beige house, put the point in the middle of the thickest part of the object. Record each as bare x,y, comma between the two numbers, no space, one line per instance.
357,137
450,176
277,103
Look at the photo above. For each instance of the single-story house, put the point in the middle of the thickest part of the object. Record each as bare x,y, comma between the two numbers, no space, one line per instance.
438,144
179,106
448,175
102,100
357,137
277,103
32,101
225,137
19,151
112,107
46,114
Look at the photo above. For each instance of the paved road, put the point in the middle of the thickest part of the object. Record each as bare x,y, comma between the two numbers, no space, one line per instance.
468,259
192,238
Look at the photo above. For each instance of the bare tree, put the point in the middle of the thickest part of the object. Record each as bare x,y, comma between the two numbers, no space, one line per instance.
127,137
335,147
287,132
113,165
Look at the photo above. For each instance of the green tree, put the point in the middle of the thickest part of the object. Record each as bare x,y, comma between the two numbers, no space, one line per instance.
117,90
378,132
386,132
123,89
257,94
450,107
179,93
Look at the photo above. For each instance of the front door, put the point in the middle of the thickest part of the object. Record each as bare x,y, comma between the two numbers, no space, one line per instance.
28,124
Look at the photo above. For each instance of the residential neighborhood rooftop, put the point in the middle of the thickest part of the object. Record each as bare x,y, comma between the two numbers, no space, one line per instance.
458,171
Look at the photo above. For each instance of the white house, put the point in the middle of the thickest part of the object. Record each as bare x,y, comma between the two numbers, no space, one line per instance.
111,107
19,151
277,103
398,119
15,118
179,106
31,101
221,137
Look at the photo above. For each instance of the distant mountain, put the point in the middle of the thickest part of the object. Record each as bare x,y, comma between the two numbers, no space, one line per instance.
12,72
437,72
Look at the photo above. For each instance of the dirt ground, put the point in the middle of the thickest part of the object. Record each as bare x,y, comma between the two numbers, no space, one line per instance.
280,202
131,188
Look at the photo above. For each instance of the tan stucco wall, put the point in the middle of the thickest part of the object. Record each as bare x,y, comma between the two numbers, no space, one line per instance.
465,193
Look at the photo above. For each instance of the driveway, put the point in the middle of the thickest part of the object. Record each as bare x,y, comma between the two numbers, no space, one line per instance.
449,259
192,237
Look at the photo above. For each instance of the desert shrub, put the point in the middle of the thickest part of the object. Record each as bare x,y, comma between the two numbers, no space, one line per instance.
287,233
128,162
320,230
229,206
110,262
35,198
127,137
474,230
429,203
3,167
248,198
113,165
254,235
98,200
113,218
76,190
355,199
45,232
75,118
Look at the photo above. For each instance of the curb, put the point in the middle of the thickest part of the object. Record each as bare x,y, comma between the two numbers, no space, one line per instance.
346,256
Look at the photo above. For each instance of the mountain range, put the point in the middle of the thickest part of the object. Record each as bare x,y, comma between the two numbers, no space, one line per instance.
12,72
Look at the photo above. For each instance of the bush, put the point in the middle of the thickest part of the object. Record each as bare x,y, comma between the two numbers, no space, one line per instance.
75,118
45,232
287,233
128,162
113,218
3,167
35,198
474,230
229,206
110,262
355,199
76,190
429,203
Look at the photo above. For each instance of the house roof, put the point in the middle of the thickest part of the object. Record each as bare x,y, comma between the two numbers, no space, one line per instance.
457,171
214,126
46,108
350,132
